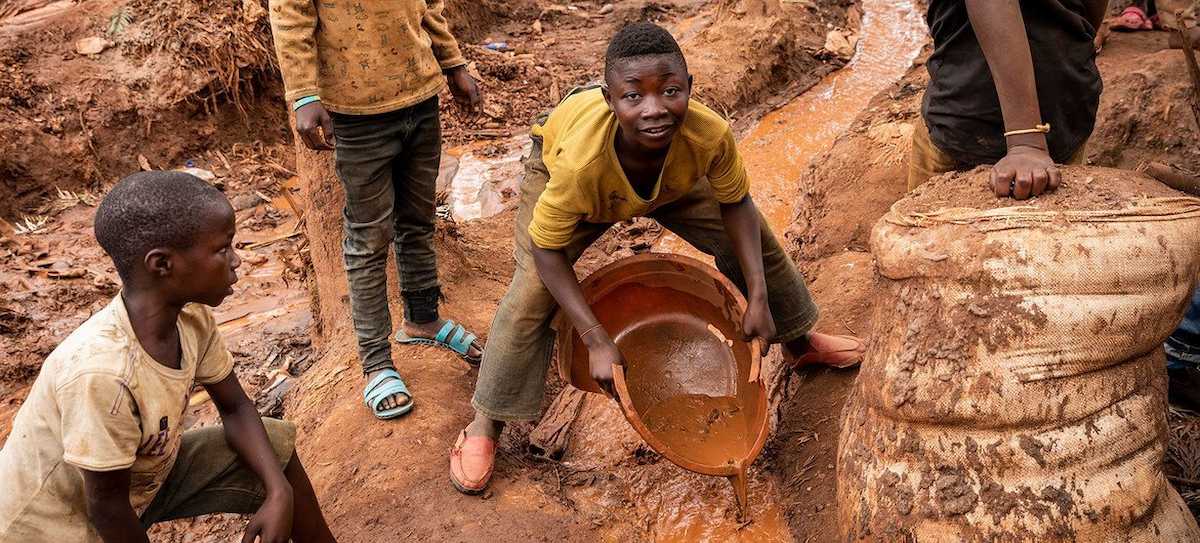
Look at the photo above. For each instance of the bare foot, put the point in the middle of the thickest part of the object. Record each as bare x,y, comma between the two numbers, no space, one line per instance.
430,330
393,401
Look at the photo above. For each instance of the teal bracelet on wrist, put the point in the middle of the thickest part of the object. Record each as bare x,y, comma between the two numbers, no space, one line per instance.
305,101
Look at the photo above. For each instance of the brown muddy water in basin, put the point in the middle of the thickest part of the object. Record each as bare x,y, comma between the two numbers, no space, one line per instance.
683,382
710,428
686,386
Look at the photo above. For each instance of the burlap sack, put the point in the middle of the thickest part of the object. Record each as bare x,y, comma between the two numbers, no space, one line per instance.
1015,385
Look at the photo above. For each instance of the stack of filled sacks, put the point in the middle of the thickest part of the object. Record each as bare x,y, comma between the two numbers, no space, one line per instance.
1015,386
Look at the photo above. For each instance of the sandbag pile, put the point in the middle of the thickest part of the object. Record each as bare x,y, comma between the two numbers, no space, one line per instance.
1015,385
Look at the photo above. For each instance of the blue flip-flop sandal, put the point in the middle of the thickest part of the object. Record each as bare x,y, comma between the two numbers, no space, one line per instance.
384,384
452,336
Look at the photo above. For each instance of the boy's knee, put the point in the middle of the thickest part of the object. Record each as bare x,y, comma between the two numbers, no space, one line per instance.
282,435
367,239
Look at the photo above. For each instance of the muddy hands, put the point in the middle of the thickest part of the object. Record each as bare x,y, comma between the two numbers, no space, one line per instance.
464,89
1025,172
315,126
602,356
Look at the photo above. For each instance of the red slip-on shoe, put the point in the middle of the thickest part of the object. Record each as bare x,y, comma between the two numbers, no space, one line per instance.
472,459
841,358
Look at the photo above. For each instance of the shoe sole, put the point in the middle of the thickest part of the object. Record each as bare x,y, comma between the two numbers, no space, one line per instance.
465,490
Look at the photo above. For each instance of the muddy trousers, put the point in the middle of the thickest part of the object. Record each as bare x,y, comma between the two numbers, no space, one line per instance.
388,165
520,344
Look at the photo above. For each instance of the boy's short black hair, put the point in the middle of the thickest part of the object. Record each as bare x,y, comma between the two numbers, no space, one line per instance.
150,210
639,40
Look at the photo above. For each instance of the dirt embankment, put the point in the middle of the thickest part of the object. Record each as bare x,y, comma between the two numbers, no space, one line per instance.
87,87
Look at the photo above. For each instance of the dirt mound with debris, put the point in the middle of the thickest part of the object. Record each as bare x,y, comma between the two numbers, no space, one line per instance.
1015,383
745,52
91,86
1145,114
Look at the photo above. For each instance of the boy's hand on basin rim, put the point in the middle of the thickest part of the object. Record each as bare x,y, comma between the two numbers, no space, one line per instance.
758,323
603,354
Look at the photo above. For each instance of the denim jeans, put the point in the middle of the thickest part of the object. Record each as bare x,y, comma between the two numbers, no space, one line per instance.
512,376
388,165
1183,347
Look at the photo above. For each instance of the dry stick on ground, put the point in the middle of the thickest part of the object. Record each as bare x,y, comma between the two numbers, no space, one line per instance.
1174,177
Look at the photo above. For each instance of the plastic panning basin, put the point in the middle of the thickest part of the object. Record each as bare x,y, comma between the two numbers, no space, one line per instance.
690,386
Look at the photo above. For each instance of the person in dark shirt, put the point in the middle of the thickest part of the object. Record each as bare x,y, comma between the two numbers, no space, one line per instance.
1183,359
1012,83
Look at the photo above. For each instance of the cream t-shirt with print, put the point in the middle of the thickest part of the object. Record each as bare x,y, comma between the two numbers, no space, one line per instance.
100,403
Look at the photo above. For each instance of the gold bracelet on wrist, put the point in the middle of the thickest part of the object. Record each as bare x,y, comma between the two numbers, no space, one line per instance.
589,330
1037,129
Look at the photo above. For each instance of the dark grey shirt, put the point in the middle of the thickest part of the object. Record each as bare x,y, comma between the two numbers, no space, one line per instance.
961,107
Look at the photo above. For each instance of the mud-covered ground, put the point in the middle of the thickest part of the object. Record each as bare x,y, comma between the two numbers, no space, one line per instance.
80,121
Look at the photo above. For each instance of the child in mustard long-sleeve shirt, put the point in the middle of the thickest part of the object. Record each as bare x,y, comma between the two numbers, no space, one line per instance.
363,78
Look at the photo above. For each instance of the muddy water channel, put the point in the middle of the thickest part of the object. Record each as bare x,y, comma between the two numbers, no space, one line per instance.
778,149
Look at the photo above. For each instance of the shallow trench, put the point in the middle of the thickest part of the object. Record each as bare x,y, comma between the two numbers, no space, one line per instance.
781,145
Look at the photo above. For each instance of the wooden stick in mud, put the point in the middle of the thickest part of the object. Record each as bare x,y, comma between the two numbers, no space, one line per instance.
1189,56
1174,177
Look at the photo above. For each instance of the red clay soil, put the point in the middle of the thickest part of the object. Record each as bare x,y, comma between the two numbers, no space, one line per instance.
79,121
44,81
382,480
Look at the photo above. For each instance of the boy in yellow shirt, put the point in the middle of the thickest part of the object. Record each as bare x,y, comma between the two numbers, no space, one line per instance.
637,146
97,451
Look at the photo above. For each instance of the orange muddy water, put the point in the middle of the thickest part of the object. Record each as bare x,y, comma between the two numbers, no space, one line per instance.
710,428
781,145
687,393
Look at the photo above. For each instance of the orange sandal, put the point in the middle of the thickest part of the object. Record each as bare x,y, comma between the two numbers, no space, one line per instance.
471,462
841,358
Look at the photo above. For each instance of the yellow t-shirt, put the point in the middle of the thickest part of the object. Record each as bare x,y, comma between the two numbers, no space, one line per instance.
586,180
100,403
